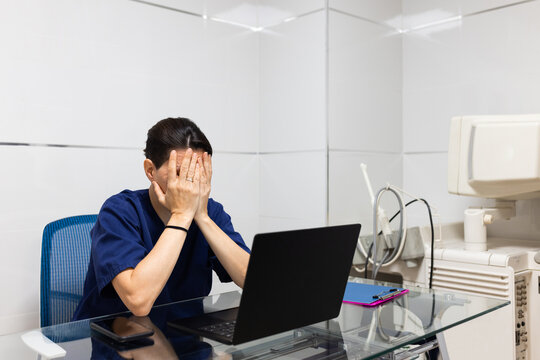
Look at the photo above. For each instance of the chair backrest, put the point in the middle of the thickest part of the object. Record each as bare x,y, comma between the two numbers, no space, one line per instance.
65,254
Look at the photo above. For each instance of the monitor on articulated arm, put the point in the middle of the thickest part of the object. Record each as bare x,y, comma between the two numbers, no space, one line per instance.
495,157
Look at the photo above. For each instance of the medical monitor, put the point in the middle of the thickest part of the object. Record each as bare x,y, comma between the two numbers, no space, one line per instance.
495,157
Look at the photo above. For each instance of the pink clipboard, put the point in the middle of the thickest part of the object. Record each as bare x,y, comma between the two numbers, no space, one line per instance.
370,295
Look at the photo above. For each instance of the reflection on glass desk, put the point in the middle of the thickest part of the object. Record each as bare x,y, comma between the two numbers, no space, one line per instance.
357,333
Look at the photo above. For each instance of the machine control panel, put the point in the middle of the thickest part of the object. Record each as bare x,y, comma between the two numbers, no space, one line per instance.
522,336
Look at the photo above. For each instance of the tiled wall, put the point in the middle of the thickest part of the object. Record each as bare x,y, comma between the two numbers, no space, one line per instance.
364,97
330,97
465,57
293,122
95,75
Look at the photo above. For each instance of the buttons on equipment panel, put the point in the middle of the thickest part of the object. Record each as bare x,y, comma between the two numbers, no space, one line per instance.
520,301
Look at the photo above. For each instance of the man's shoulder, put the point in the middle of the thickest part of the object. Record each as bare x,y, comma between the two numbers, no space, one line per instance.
214,206
216,210
128,207
127,195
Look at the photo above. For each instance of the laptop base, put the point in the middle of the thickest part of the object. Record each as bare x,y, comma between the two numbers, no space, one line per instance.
217,326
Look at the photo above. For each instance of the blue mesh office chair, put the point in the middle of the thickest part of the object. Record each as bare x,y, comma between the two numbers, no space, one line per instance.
65,254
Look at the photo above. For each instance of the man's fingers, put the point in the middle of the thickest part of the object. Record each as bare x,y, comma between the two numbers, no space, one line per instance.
159,193
197,175
185,164
192,165
207,166
171,168
202,170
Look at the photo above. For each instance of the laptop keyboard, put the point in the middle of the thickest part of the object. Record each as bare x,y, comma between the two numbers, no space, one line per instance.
224,329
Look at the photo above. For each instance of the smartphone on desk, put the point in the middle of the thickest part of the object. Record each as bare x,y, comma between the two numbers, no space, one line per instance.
121,329
115,345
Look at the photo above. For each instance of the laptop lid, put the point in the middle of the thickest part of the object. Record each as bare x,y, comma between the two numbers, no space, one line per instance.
295,278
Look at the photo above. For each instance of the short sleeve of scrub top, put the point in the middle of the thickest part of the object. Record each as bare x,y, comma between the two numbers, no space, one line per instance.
117,243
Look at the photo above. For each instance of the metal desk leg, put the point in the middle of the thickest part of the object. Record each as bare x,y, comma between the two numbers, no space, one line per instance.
443,350
413,353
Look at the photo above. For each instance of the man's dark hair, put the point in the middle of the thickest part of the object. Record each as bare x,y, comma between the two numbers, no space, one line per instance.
174,133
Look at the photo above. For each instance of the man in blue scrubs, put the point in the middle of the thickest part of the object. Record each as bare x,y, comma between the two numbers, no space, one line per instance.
161,244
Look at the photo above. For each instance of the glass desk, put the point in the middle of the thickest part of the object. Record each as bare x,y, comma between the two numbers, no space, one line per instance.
387,331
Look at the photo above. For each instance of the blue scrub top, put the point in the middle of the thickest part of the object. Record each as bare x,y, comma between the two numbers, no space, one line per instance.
127,229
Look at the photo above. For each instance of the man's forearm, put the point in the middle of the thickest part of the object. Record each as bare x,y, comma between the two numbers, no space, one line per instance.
233,258
139,287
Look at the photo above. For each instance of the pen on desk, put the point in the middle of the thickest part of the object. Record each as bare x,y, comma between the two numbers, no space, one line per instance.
390,293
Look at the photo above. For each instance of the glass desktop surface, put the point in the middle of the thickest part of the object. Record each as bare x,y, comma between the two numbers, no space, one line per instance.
358,332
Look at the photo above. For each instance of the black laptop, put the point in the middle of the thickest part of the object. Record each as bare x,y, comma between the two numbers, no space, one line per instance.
294,278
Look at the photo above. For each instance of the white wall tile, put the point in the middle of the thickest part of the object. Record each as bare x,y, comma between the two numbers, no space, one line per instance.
193,6
421,12
58,182
16,323
432,56
432,86
469,7
231,55
13,347
21,259
500,66
386,12
253,13
426,176
12,21
238,11
49,19
459,68
292,85
77,83
293,186
235,183
364,85
349,198
274,224
426,117
272,12
46,184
